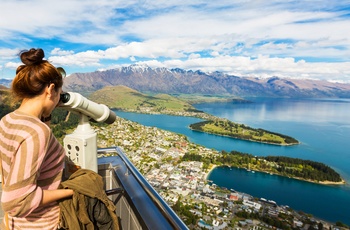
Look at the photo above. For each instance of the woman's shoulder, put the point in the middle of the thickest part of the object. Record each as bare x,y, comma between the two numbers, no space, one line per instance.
26,123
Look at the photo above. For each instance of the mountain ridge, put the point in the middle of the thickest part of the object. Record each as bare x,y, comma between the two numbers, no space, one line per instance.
179,81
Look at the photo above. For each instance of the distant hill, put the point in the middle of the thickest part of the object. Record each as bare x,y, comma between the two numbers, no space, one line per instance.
7,104
178,81
3,87
125,98
5,82
4,95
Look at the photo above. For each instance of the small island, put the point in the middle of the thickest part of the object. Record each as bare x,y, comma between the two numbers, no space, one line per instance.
239,131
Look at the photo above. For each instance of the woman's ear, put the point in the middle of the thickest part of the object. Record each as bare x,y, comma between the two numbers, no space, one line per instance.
50,90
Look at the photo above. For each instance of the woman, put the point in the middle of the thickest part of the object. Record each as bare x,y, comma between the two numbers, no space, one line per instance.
32,158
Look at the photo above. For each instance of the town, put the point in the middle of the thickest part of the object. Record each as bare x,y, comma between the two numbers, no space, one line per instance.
158,154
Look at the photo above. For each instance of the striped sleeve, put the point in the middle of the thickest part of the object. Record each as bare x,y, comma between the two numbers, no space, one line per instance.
23,147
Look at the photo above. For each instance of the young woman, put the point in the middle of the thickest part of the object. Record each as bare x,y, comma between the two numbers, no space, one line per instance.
32,158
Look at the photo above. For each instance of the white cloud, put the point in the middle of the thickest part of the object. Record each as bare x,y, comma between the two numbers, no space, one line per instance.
8,54
194,56
152,63
12,65
244,37
85,59
265,66
60,52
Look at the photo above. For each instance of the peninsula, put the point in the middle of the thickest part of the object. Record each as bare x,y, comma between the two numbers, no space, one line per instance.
300,169
126,99
231,129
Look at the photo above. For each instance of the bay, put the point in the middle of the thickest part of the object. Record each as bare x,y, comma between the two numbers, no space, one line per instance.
321,125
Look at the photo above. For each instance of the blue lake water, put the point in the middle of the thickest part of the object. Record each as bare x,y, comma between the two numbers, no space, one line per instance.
322,127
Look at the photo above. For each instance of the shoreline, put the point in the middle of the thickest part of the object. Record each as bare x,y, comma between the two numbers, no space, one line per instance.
342,182
212,167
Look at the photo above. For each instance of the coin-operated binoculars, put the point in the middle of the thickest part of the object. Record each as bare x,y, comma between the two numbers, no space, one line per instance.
81,145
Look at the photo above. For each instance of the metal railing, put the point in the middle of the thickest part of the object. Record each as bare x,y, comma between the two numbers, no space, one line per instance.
139,206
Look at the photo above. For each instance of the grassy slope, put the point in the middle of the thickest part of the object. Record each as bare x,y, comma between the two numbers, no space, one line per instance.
6,98
122,97
235,130
197,98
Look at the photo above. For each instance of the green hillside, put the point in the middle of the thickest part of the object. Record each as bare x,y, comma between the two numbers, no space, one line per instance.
124,98
240,131
200,98
7,104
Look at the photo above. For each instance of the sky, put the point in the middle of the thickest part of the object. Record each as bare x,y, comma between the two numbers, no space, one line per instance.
247,38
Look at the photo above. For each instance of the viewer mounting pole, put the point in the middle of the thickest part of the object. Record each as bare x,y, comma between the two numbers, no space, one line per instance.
81,147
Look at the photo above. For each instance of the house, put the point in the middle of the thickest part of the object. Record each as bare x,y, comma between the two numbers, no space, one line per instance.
252,204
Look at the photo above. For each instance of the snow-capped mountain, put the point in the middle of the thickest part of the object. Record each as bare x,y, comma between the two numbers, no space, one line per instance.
178,81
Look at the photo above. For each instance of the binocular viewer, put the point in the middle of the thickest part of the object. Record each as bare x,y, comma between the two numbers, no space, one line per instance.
75,102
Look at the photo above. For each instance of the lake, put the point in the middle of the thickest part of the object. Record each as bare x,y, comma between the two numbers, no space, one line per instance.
321,125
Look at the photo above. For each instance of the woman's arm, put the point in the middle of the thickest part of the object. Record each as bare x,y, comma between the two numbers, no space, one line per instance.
54,195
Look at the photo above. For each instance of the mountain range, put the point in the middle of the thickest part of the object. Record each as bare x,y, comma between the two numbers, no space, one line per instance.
179,81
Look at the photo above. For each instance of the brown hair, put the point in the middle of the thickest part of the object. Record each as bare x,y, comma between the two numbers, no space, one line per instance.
36,74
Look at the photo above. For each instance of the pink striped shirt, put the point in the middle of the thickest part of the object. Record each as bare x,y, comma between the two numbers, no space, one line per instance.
32,161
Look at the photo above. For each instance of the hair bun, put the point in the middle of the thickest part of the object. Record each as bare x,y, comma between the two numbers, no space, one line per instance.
32,56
